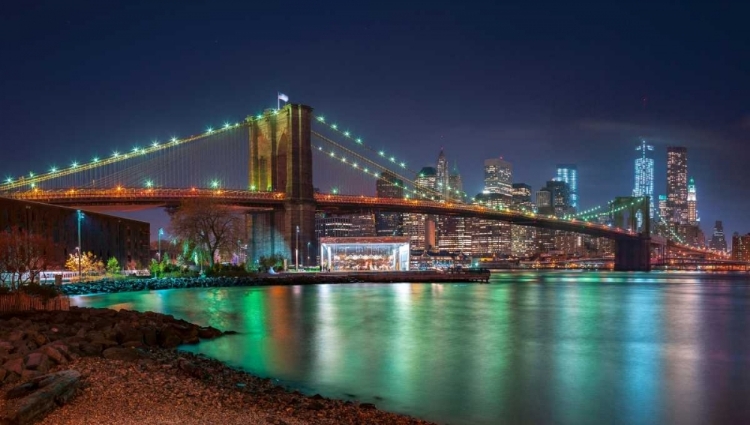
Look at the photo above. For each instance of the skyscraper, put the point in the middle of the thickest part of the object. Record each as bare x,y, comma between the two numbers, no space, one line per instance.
456,185
644,175
677,184
498,176
741,247
568,173
718,241
442,174
692,203
389,223
522,237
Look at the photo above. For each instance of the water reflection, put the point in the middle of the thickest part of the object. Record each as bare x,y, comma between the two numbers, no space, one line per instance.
568,348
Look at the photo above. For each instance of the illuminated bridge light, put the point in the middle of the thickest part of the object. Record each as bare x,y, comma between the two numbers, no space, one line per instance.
333,126
149,183
321,119
381,153
333,154
9,180
96,159
53,170
209,130
115,154
174,139
214,184
74,164
359,141
335,191
403,165
346,133
155,143
135,149
31,174
226,125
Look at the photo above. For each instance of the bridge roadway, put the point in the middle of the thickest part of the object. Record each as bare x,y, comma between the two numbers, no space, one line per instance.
325,202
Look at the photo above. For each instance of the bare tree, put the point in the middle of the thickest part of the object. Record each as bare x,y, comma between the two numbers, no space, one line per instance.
212,226
23,256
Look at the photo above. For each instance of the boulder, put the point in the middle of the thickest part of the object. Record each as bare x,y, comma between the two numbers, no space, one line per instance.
14,365
53,354
37,361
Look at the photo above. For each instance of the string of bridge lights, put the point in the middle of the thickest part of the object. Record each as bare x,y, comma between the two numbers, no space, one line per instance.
379,152
366,170
75,167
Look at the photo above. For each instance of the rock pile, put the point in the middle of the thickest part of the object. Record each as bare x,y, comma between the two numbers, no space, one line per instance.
140,284
33,342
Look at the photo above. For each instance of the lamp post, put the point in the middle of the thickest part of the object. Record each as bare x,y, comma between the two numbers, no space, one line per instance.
296,252
308,253
161,232
79,214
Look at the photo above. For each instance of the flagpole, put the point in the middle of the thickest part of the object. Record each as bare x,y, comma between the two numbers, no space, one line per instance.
278,101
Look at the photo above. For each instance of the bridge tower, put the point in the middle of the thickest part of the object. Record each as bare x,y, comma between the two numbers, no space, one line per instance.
632,254
281,161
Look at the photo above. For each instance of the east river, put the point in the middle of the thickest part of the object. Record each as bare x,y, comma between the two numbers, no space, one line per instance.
530,347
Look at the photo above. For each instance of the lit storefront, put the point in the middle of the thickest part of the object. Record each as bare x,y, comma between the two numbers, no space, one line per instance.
365,254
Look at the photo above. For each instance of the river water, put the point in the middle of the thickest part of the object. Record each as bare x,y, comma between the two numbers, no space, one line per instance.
530,347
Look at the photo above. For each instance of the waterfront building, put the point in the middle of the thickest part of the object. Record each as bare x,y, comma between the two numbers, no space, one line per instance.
677,210
568,173
498,176
103,235
389,185
364,254
718,241
344,225
741,247
644,175
692,203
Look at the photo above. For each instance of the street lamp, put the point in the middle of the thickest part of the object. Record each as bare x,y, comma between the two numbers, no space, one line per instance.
308,253
296,252
79,215
161,232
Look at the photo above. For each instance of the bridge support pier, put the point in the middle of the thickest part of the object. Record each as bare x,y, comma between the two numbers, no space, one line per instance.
633,255
281,161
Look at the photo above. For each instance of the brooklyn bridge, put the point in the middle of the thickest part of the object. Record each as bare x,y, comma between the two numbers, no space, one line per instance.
264,167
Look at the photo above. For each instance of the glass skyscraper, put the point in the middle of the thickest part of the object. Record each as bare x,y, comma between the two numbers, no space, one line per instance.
644,175
498,177
677,184
568,173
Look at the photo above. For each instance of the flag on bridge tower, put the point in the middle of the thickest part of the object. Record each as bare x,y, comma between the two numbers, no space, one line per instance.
281,97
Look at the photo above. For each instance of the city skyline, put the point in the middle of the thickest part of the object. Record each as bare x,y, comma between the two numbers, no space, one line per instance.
117,84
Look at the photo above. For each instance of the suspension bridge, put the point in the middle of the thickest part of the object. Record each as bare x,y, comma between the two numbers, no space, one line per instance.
265,166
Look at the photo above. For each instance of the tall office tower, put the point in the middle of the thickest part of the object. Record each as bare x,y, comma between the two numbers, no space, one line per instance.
522,237
490,237
568,173
456,185
692,203
498,176
677,184
560,197
441,175
389,223
426,182
663,208
718,241
420,228
544,202
741,247
644,175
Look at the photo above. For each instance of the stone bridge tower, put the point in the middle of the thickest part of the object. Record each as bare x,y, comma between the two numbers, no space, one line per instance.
281,161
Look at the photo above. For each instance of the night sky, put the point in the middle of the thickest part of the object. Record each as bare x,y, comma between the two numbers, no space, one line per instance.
536,83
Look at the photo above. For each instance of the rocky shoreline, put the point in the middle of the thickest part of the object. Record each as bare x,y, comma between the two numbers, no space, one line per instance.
132,373
107,286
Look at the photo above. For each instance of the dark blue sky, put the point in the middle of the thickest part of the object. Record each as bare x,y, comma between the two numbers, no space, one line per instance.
537,83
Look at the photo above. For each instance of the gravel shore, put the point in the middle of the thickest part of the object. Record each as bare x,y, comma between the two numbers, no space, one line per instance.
154,384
